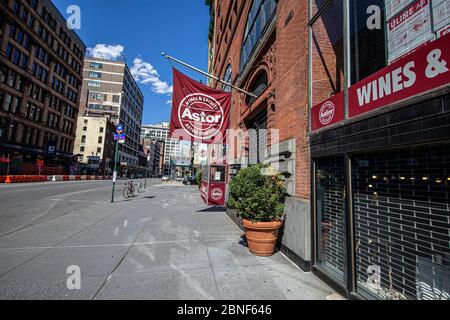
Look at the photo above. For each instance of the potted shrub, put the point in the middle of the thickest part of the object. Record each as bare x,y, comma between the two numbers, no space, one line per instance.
257,195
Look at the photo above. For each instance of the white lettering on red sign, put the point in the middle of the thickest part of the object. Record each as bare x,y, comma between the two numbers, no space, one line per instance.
395,81
201,116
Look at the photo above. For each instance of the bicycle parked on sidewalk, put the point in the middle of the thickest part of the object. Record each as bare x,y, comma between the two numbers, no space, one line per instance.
130,190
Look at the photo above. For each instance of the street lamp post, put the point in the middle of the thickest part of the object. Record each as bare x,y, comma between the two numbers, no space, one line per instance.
115,170
119,130
146,169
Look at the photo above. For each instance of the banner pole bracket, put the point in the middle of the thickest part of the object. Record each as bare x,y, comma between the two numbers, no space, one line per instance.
207,75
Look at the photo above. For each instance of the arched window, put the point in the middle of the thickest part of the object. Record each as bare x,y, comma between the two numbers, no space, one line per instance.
258,86
261,13
228,77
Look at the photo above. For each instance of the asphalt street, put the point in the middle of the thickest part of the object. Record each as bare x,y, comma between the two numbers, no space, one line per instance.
163,244
23,205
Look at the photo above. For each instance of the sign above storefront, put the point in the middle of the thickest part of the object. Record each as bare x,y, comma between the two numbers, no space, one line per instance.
329,112
424,70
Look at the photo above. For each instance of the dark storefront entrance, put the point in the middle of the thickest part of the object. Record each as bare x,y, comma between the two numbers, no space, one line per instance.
400,214
382,206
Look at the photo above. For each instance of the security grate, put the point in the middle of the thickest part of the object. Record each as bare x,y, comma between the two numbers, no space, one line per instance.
402,223
330,209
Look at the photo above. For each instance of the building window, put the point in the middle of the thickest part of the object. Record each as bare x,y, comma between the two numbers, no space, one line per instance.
96,65
368,49
83,139
100,139
228,77
328,52
16,105
102,130
261,13
84,128
94,84
7,103
81,149
99,150
257,138
95,75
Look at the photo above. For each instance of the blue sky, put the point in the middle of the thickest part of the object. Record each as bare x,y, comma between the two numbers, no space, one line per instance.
143,29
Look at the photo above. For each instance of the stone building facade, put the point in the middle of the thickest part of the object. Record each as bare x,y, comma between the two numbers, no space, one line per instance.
41,73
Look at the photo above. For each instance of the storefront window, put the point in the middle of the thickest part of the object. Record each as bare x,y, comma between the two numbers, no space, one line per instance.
402,231
330,210
328,52
367,38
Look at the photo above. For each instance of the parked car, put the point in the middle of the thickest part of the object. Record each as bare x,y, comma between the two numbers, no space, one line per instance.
189,180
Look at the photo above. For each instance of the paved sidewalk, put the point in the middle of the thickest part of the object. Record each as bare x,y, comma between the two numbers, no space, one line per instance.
163,245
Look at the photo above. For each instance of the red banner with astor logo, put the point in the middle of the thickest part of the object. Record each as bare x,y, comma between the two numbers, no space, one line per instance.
199,113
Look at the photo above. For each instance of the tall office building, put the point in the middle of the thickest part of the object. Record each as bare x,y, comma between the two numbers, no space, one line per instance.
41,63
109,90
172,147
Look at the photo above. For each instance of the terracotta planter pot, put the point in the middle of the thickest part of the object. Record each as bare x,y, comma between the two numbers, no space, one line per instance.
262,236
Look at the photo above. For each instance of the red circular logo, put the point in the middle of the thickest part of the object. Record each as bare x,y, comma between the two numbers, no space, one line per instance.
216,194
201,116
326,113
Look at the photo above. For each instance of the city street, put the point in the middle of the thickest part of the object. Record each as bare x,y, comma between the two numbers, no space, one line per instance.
163,244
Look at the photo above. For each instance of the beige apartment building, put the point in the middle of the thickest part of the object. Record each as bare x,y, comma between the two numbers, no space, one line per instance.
110,91
95,145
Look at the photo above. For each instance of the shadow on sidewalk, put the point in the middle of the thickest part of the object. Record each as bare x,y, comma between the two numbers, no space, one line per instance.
213,209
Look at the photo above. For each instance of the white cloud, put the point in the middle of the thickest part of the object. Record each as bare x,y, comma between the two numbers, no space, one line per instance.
169,102
145,73
103,51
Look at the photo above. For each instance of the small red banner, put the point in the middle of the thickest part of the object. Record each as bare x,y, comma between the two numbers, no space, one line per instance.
328,112
199,113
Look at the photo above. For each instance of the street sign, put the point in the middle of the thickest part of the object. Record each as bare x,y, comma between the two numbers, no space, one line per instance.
121,138
119,128
116,136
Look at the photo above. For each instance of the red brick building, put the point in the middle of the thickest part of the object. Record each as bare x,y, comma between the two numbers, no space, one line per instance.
359,91
262,47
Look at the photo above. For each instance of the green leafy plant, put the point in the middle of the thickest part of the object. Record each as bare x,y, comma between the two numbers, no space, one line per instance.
199,178
257,197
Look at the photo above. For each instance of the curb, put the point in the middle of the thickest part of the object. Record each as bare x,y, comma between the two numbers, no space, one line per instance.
36,178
